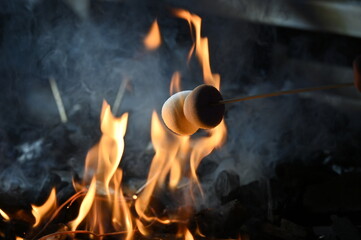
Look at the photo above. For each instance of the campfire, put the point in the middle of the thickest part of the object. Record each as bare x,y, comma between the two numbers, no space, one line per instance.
104,209
212,168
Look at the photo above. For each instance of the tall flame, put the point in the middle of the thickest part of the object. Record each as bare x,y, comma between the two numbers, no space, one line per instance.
178,157
85,206
200,45
101,167
153,39
104,208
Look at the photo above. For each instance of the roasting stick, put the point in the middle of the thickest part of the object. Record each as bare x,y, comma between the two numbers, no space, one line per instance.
58,100
203,107
287,92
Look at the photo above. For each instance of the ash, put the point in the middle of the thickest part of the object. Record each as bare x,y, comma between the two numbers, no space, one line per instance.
291,166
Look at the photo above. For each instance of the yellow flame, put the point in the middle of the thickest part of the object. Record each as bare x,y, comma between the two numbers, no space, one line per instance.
43,211
4,215
85,206
200,45
153,39
105,190
188,235
161,164
142,229
104,207
175,83
178,157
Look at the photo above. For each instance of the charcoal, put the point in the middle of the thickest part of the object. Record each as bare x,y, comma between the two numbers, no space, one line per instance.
287,231
345,229
206,169
295,175
225,221
339,194
226,182
251,196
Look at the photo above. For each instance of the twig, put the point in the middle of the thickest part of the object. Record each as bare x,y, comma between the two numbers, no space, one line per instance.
58,101
83,232
145,185
120,95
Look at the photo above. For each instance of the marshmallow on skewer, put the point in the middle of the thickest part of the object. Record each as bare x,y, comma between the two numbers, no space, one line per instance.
202,107
173,115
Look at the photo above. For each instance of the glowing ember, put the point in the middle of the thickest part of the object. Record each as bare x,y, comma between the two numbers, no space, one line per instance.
153,40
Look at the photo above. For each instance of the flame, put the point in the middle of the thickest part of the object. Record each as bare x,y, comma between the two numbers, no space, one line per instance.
175,83
85,206
160,167
153,39
200,45
4,215
101,166
104,208
176,157
45,210
188,235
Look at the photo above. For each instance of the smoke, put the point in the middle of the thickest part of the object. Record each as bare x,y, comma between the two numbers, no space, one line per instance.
89,57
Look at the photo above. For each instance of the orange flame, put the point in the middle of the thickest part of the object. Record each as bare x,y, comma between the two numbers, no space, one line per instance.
104,207
85,206
45,210
200,45
176,157
101,167
175,83
188,235
153,39
4,215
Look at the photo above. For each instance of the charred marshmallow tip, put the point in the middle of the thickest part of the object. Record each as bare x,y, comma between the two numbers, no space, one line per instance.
187,111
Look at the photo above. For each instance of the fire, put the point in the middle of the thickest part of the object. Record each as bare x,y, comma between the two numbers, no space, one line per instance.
105,190
45,210
175,83
153,39
178,157
104,209
201,47
4,215
85,206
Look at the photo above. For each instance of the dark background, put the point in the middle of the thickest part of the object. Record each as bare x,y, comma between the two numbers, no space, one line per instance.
291,158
